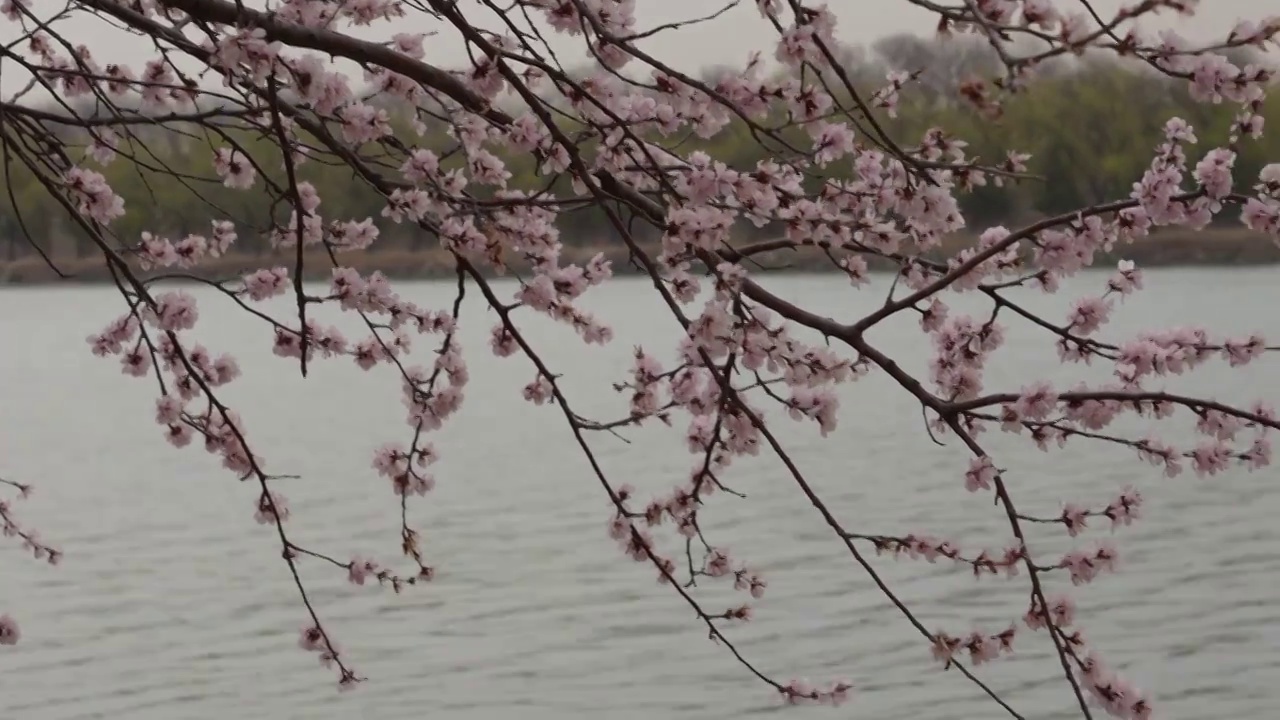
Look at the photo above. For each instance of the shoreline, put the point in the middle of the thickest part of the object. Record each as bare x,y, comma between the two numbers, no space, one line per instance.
1209,248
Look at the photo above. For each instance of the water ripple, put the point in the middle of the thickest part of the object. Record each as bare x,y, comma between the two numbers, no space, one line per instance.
172,604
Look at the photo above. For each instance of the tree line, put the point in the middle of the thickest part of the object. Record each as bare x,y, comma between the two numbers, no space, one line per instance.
1091,125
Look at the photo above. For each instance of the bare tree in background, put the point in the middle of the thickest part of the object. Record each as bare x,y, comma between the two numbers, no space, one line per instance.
254,90
943,65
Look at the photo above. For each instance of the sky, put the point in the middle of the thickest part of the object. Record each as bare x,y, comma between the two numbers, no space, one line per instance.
727,40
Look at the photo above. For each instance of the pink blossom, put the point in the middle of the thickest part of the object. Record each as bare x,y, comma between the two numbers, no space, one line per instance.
1075,518
1258,455
10,634
360,568
1127,278
716,563
944,648
1243,351
1061,612
1210,458
539,391
178,434
266,283
93,197
13,9
175,311
168,410
1036,401
234,168
271,509
136,362
103,147
1085,565
362,123
1088,314
981,474
311,639
1126,508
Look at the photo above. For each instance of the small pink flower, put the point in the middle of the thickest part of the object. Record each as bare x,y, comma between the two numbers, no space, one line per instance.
981,649
1088,314
175,311
1211,458
717,563
944,648
136,362
271,509
539,391
311,639
178,435
1036,401
359,568
1075,518
234,168
1127,278
980,475
1126,508
799,691
9,632
266,283
619,528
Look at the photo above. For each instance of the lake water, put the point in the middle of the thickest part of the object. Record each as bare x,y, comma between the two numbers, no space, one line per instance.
172,603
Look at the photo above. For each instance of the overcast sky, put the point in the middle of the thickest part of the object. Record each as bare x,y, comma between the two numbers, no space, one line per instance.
726,40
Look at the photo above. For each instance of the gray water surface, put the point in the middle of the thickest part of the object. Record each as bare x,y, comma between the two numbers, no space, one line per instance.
173,604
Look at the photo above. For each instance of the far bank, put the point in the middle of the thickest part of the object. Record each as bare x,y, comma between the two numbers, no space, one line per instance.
1168,248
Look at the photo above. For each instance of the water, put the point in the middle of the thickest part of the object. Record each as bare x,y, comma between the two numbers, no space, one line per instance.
172,603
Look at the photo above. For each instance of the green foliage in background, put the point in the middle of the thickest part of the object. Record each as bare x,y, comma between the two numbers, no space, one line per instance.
1091,130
